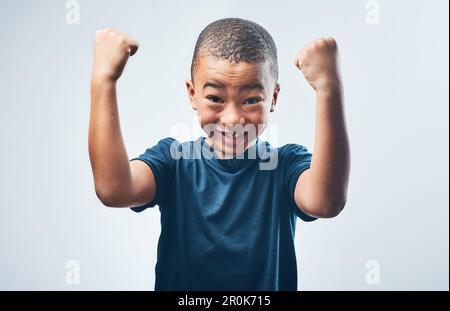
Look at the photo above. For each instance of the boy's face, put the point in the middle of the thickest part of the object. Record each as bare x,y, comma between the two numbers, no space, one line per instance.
233,102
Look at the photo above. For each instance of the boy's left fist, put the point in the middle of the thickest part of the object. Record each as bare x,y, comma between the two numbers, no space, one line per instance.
318,62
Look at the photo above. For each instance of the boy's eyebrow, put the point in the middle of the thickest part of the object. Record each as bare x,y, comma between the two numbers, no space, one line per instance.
218,85
215,85
252,86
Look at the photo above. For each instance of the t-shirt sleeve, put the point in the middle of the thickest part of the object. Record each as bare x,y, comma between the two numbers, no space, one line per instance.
160,161
296,160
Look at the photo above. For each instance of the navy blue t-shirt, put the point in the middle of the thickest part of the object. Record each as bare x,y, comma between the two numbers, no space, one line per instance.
226,224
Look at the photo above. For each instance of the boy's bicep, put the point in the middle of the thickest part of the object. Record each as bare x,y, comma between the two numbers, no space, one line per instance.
301,190
143,183
296,164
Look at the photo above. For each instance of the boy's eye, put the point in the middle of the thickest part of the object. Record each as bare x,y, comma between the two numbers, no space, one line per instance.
214,99
252,101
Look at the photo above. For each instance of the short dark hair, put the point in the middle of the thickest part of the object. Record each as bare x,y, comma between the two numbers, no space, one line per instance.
236,40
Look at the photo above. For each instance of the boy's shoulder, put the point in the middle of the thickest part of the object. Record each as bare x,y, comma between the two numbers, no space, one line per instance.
293,148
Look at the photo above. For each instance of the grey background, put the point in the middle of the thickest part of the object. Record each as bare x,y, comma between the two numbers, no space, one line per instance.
396,89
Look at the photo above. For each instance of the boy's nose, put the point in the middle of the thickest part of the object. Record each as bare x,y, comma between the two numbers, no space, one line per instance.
231,117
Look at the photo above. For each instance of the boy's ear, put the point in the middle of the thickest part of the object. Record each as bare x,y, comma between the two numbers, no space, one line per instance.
191,92
275,97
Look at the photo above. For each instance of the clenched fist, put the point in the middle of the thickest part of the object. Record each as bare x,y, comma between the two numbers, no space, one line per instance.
318,62
111,52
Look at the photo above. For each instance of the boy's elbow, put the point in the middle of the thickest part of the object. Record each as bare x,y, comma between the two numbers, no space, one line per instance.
335,207
109,198
106,198
329,209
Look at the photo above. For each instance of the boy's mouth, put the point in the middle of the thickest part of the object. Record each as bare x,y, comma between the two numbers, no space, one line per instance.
232,138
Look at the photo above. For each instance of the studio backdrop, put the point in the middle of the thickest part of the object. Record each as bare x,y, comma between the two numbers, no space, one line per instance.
56,235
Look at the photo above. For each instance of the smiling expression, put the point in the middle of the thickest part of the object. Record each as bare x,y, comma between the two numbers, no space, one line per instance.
233,101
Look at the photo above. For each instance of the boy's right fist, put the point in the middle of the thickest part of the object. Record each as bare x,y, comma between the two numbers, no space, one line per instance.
111,52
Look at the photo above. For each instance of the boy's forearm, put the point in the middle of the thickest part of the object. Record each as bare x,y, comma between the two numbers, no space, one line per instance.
330,166
109,159
323,190
107,152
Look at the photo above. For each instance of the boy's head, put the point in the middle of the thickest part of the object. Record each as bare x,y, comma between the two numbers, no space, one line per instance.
234,82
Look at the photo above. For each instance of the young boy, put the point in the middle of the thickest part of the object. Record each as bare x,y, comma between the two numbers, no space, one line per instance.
227,221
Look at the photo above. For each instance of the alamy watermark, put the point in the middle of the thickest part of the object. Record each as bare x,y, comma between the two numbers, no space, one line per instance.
72,12
233,141
373,273
72,275
373,12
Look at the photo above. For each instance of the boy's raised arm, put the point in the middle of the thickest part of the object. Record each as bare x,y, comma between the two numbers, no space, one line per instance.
321,191
118,182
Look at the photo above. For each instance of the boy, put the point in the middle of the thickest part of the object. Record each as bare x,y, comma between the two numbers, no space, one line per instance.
227,222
